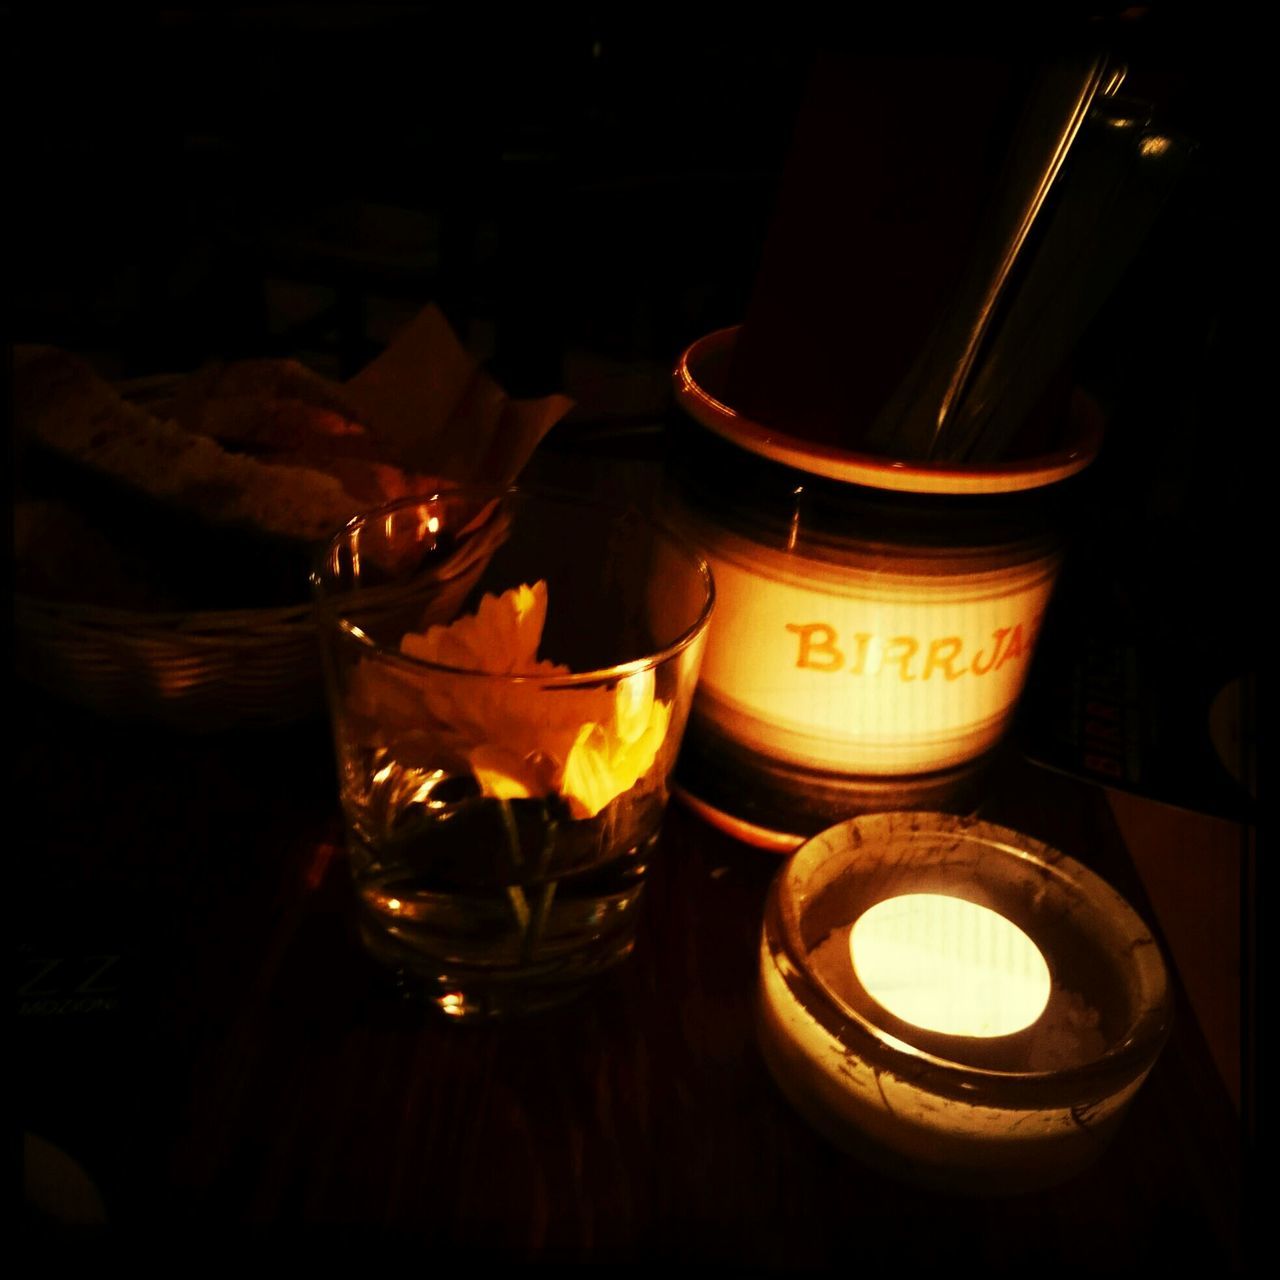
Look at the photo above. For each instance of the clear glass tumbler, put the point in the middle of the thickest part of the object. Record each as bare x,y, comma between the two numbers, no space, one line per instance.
509,675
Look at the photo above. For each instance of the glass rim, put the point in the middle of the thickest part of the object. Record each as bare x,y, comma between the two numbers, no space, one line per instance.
324,599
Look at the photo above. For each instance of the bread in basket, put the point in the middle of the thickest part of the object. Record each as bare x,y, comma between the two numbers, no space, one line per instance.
164,529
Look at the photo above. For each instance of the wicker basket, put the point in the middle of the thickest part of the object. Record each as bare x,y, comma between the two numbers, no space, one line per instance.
213,669
196,671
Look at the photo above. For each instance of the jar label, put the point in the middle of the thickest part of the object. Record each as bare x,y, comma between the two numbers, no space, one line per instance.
865,671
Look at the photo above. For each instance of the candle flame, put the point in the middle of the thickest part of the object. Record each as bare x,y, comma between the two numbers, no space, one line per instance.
948,965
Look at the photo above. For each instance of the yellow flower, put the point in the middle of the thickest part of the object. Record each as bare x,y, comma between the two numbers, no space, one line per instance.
520,738
502,773
502,636
608,759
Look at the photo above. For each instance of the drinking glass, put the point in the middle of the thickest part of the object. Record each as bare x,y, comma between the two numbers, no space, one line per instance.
509,674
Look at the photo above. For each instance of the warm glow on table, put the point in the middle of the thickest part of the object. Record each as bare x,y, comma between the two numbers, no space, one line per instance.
948,965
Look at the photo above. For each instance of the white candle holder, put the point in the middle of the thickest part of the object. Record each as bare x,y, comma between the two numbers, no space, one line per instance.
983,1113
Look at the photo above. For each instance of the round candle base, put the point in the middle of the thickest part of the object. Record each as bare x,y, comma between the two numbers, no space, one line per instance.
958,1168
967,1113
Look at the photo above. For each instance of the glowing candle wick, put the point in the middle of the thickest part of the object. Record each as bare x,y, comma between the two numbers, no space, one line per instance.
948,965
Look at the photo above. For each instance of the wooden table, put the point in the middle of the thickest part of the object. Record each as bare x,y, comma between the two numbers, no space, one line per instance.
200,1030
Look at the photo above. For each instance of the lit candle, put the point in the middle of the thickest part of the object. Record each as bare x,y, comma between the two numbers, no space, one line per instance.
956,1003
944,964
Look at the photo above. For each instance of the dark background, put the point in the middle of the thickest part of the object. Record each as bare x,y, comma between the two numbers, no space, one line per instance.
268,180
586,196
600,184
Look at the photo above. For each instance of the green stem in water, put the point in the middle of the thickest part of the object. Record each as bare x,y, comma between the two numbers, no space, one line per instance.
546,894
515,893
520,905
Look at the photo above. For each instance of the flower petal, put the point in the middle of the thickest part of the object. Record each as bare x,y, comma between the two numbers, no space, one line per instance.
633,702
502,636
508,776
587,783
600,767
